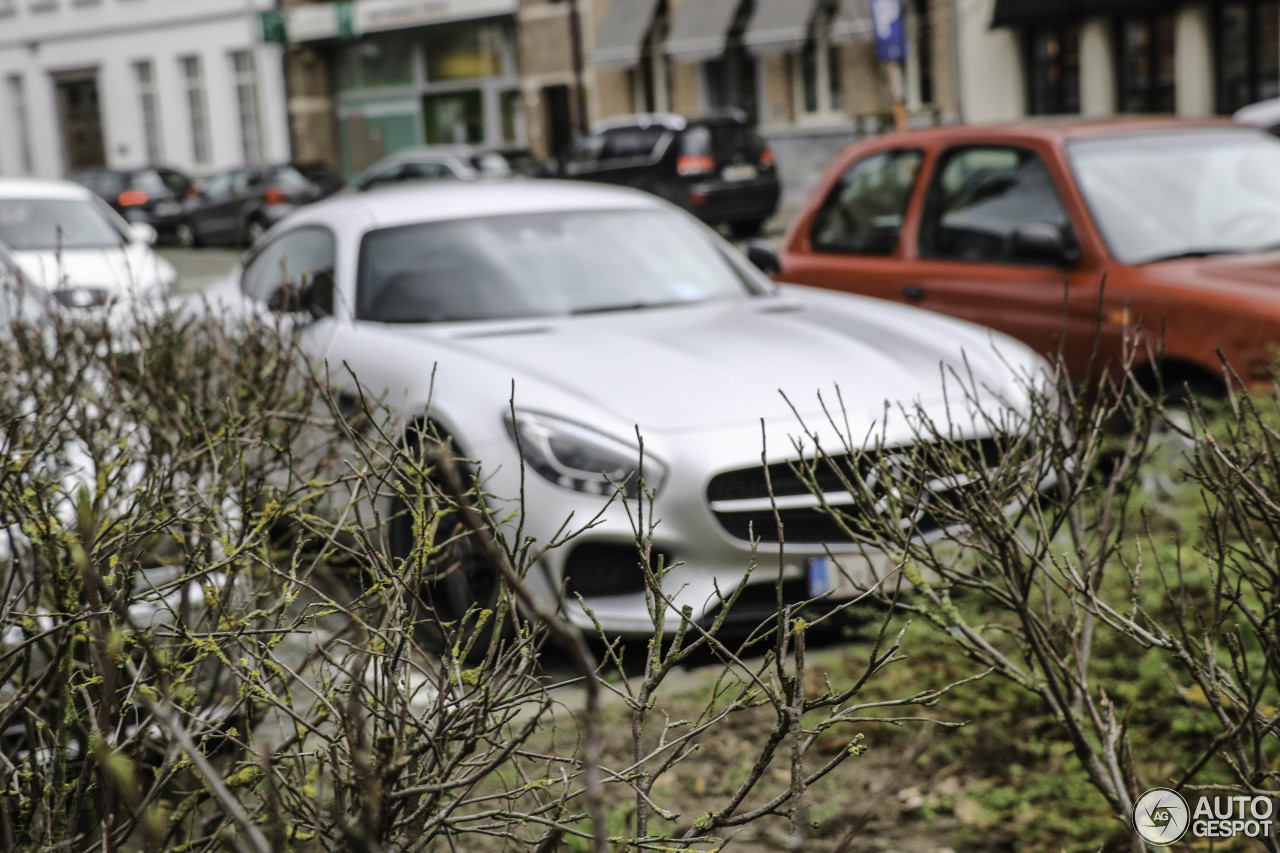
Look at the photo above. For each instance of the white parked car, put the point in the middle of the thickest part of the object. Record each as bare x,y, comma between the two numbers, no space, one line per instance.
611,312
73,245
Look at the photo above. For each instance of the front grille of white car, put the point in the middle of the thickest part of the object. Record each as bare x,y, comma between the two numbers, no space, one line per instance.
851,486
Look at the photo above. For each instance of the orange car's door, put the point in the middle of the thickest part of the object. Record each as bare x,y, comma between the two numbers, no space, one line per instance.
853,242
995,245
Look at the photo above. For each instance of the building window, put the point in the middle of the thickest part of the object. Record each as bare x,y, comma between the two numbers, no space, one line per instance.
729,80
145,75
920,54
18,99
382,62
1145,63
193,79
1053,70
1247,42
242,65
817,72
467,52
652,88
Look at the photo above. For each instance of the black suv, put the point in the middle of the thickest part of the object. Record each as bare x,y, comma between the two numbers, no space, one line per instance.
152,194
715,167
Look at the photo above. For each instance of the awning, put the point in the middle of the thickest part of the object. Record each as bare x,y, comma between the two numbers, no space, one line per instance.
1012,13
779,25
624,30
853,21
702,29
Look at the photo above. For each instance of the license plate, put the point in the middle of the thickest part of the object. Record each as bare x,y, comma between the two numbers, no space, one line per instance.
742,172
826,577
168,208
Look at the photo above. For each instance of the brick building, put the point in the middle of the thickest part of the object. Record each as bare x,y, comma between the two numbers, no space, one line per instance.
805,71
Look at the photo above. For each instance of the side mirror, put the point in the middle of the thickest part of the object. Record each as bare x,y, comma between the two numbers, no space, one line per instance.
764,258
318,295
143,233
1043,243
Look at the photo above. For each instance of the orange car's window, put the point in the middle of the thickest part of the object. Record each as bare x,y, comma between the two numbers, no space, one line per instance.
863,214
980,196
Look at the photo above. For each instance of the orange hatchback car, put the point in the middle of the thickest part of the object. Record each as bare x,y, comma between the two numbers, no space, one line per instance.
1063,234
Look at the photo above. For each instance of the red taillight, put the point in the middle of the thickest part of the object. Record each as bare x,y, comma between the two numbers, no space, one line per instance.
192,192
696,198
131,198
766,157
695,164
274,195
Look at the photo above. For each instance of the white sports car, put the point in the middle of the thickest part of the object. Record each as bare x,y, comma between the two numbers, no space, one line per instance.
610,312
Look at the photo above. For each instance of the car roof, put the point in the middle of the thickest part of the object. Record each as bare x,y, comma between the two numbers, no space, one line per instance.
1060,130
39,188
443,201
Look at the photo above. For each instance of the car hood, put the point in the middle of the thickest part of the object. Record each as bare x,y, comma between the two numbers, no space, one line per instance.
1254,275
132,268
701,366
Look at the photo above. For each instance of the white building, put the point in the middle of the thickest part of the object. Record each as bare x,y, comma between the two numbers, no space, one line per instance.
1097,58
125,83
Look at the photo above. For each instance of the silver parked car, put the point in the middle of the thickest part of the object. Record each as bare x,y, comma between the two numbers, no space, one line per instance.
611,312
450,162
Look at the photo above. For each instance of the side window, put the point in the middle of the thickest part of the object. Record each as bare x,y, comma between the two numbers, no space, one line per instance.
244,180
631,143
389,175
586,152
219,184
863,214
291,260
980,196
425,172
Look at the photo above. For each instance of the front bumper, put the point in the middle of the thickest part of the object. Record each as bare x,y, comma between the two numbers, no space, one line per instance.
597,576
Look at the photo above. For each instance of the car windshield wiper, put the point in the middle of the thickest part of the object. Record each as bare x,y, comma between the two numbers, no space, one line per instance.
1198,253
634,306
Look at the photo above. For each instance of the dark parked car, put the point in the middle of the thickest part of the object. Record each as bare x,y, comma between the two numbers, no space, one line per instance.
154,195
450,162
715,167
238,206
320,174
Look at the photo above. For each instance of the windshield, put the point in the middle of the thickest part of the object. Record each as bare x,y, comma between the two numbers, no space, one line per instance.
42,224
1173,194
531,265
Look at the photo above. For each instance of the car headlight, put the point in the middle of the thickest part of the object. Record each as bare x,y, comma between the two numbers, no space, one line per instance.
580,458
81,297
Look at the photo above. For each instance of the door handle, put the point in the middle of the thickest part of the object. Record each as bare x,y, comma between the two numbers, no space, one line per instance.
913,292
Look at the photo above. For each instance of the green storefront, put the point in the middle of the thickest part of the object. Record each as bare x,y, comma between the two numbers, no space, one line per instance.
425,72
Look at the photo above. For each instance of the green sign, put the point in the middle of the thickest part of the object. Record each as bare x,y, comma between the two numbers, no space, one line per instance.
346,20
271,28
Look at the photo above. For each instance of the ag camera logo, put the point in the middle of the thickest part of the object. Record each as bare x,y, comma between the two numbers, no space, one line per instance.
1161,817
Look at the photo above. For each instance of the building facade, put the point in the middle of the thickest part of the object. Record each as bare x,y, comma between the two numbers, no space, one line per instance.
369,77
373,77
804,71
125,83
1021,58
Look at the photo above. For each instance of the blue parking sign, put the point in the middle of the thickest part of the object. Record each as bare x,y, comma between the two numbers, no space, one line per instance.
891,42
